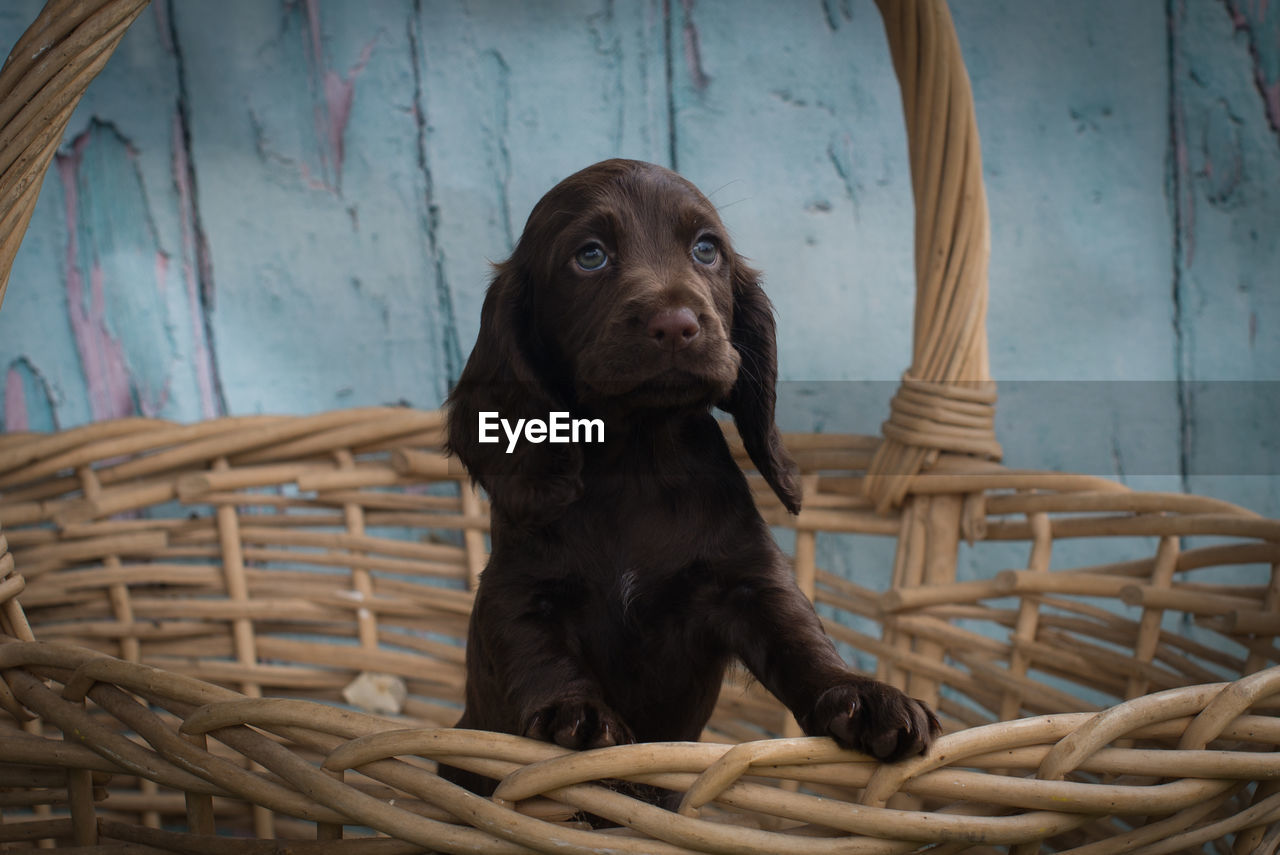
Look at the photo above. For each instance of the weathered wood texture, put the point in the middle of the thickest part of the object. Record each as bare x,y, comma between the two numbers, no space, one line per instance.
291,206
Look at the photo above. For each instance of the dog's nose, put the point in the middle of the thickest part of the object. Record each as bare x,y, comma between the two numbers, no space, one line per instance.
674,328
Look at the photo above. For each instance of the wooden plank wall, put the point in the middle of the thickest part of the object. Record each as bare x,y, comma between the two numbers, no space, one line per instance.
291,206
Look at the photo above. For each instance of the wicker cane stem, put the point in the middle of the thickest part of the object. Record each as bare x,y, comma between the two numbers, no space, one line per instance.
947,400
42,81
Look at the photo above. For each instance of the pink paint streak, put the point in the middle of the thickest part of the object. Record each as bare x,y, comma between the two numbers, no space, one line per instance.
1186,204
1241,21
101,357
161,11
339,93
1182,158
186,216
15,403
162,272
151,405
693,49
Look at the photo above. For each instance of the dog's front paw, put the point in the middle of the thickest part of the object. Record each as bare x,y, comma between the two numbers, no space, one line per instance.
875,719
578,723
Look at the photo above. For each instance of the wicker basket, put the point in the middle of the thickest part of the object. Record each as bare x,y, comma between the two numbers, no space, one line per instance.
249,628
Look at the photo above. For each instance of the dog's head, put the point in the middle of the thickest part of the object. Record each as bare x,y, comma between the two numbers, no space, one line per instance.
622,294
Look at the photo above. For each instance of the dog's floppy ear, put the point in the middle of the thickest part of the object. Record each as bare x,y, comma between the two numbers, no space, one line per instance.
754,394
508,377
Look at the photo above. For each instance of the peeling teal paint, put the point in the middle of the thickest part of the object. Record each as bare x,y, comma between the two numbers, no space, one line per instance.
336,91
125,344
28,404
1227,272
1260,26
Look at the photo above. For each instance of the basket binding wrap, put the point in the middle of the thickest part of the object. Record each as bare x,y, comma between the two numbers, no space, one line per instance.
181,606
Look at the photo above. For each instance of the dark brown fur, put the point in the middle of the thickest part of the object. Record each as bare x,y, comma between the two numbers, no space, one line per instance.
626,576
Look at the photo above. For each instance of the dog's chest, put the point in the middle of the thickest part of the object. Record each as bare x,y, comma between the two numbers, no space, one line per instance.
638,546
654,535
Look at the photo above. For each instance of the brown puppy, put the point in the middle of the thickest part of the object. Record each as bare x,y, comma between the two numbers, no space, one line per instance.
627,574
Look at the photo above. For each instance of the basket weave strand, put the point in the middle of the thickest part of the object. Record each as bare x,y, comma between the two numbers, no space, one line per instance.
43,79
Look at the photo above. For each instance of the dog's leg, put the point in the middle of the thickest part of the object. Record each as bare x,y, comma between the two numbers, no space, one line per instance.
774,630
526,673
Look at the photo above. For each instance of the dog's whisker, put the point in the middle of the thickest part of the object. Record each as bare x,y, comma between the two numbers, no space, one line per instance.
729,183
734,202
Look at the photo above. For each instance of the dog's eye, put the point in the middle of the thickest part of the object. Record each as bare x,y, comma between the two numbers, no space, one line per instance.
591,257
705,252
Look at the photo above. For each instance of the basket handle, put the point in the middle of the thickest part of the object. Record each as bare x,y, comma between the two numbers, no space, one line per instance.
946,401
41,82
